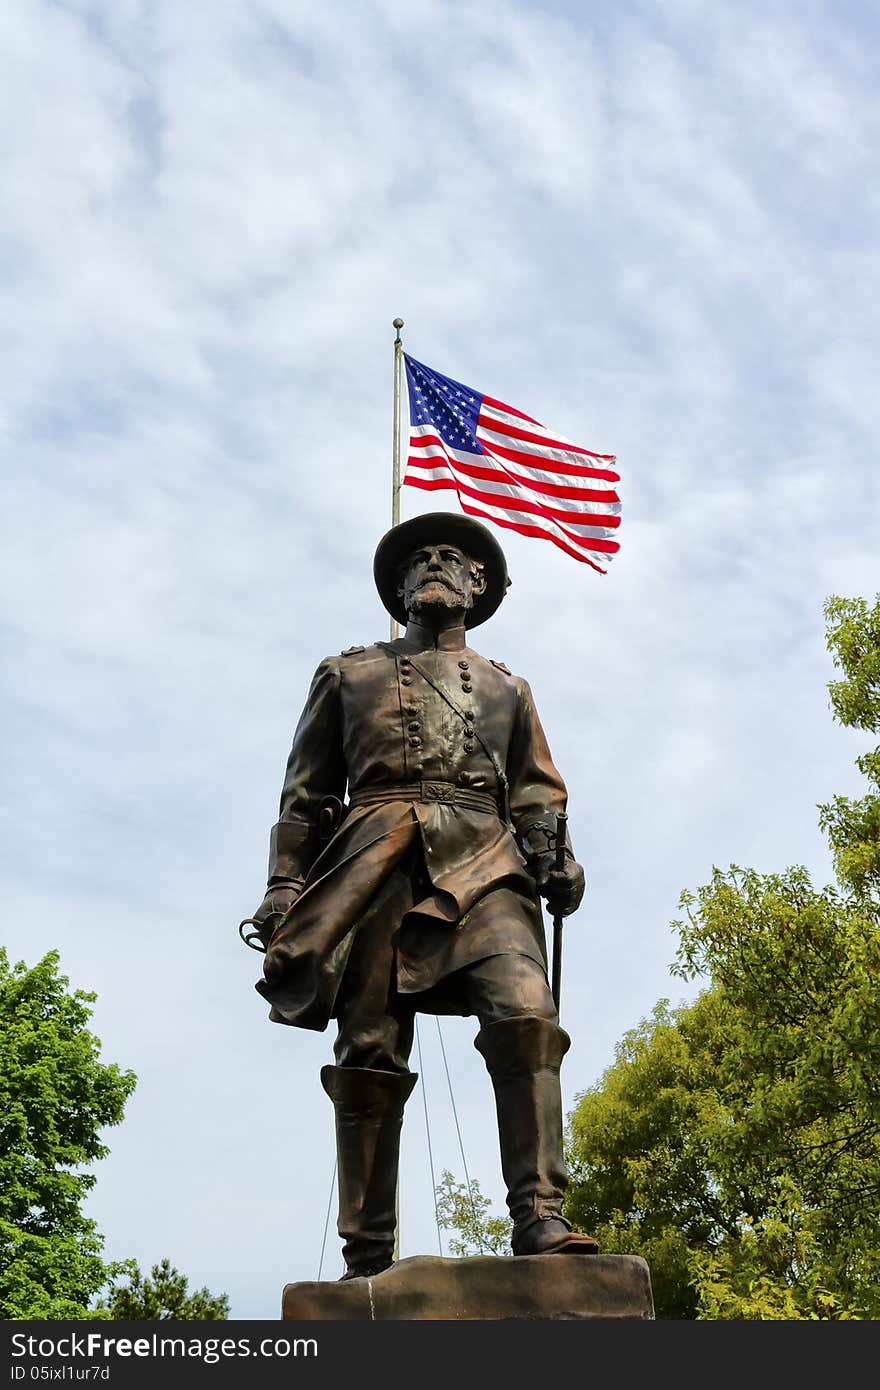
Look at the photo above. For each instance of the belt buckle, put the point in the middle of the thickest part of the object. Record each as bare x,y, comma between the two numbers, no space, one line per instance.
438,791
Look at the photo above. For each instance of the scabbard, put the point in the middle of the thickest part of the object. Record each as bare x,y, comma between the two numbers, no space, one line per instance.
556,978
556,975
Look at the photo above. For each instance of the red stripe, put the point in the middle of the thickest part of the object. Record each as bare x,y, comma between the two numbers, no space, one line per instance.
509,410
424,441
522,504
598,543
569,517
573,470
433,462
537,461
565,519
573,494
501,427
534,531
430,484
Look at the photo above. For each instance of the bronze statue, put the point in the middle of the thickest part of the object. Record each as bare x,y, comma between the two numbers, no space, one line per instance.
420,891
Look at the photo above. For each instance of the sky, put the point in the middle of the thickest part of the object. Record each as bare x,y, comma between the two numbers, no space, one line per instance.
652,226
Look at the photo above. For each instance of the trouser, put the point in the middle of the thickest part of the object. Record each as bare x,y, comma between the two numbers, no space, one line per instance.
522,1045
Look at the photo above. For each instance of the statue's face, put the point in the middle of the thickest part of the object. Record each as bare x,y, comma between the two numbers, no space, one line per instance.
439,581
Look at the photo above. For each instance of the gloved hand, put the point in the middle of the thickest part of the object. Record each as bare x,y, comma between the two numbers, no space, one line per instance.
563,888
279,898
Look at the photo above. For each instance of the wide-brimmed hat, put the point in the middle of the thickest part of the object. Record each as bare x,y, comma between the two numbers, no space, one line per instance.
434,528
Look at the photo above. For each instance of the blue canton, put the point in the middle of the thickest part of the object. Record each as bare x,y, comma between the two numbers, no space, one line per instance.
451,408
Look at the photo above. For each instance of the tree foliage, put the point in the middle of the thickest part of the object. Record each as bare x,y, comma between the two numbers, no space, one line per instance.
56,1096
853,826
735,1141
161,1296
466,1211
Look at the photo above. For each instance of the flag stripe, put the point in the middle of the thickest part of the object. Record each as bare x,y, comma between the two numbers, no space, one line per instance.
595,527
534,531
485,465
446,461
493,514
550,529
544,439
562,490
510,410
500,486
505,519
508,425
553,529
561,459
444,477
528,460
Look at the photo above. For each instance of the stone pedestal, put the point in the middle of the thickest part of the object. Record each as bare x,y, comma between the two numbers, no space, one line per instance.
482,1288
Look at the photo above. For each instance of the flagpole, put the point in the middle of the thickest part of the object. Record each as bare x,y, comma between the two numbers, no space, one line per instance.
395,630
395,481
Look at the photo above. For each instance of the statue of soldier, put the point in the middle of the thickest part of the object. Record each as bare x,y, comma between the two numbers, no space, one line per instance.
420,892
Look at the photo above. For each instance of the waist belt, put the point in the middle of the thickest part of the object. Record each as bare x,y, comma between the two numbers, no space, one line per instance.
446,793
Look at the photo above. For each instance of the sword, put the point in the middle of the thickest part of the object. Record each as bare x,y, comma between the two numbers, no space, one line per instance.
556,976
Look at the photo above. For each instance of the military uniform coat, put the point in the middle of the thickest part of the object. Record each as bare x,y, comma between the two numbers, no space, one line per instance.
449,775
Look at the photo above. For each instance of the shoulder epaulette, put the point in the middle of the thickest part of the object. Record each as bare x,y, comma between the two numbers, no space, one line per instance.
351,651
501,667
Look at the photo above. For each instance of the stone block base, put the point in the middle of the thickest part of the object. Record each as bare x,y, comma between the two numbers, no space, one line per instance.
482,1287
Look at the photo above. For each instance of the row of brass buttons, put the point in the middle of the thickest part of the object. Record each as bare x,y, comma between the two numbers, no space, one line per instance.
465,673
413,726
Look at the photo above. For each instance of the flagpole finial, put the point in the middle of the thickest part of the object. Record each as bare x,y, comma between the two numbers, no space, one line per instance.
398,324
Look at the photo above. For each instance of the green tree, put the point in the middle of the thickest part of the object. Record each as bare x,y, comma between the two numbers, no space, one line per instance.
467,1212
162,1296
853,826
55,1097
735,1142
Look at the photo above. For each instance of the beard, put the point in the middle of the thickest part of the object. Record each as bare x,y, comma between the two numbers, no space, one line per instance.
436,594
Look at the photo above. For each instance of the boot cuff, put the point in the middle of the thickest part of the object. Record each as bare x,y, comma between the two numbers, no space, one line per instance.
522,1046
366,1090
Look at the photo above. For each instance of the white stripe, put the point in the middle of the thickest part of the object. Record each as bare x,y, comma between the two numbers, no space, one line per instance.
542,523
504,490
501,490
524,426
490,437
538,475
516,420
445,459
442,470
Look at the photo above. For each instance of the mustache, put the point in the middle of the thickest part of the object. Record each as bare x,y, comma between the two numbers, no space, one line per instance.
438,579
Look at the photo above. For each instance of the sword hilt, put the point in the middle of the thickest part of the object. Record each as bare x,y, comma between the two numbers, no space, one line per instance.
252,937
561,821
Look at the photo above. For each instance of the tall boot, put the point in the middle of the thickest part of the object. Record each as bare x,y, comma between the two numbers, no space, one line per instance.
369,1114
523,1057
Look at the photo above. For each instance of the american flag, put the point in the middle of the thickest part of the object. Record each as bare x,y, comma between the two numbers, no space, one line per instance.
509,468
